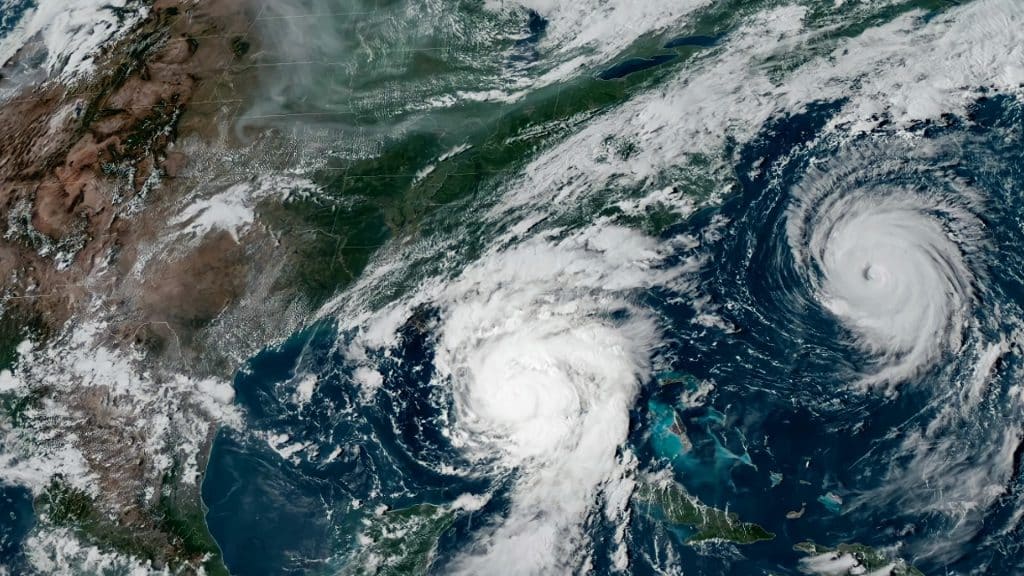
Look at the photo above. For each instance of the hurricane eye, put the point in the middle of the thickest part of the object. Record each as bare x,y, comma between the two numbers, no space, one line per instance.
880,252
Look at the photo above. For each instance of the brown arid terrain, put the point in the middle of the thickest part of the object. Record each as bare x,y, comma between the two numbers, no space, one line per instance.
511,287
82,167
115,295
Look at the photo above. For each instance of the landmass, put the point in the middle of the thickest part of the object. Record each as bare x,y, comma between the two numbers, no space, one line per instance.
852,559
402,541
120,322
675,506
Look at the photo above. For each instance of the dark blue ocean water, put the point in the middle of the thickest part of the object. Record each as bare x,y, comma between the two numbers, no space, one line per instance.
16,519
272,517
782,431
11,12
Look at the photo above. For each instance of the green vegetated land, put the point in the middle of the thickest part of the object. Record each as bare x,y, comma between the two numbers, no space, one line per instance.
402,542
673,505
414,179
869,560
181,541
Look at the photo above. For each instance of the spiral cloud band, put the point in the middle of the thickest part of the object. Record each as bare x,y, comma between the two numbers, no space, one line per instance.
885,250
544,354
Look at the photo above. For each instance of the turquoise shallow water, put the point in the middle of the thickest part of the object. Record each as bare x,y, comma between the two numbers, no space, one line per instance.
761,402
782,431
624,287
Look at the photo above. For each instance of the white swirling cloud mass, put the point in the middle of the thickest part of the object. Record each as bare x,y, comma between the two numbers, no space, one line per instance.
888,261
542,351
545,353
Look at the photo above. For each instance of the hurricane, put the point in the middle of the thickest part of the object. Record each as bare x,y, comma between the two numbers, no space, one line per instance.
543,377
629,357
875,268
512,287
886,248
